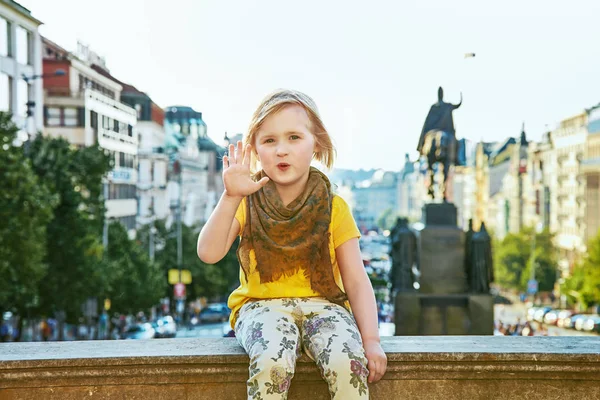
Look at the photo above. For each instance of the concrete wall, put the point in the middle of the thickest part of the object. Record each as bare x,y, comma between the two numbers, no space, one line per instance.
449,367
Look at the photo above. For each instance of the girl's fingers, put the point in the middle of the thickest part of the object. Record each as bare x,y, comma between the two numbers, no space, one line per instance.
372,370
231,154
225,162
263,181
247,154
239,156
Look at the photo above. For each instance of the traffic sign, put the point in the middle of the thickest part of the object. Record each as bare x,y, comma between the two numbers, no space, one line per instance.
179,290
186,276
532,286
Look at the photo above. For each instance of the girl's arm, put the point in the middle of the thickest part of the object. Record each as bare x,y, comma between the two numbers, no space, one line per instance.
219,232
362,300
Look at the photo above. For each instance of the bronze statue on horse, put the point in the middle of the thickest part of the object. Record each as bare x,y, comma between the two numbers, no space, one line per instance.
438,141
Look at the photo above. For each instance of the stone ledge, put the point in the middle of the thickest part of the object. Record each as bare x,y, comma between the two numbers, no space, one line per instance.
448,367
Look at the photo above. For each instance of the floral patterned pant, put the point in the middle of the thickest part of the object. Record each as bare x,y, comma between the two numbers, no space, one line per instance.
274,332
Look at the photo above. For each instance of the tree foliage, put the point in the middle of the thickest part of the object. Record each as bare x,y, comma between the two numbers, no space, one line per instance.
584,284
387,219
214,281
74,247
513,261
25,210
133,282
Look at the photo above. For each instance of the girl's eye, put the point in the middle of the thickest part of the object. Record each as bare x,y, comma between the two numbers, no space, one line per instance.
268,140
294,137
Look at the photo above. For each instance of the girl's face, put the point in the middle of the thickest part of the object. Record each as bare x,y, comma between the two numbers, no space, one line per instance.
285,147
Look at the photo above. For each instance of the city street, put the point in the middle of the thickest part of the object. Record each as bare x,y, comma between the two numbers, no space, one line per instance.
511,314
215,330
219,329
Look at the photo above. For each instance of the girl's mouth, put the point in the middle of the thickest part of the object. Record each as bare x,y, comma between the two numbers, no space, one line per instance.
283,166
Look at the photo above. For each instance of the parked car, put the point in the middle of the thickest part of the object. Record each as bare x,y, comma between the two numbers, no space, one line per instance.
139,331
562,316
551,317
217,312
569,322
531,312
580,321
592,324
540,313
165,327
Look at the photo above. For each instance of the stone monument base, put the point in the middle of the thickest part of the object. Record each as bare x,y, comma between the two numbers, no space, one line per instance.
451,314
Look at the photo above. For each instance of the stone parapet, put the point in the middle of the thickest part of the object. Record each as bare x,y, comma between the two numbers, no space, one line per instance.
429,367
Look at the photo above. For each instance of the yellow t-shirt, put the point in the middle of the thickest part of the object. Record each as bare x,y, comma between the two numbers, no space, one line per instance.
341,228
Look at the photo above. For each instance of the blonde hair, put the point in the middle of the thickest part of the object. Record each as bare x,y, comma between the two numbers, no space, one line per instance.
277,101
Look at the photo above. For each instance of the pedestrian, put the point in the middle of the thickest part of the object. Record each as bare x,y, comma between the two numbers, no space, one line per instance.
302,281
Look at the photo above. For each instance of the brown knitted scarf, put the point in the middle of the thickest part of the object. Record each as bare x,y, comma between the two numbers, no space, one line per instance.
292,238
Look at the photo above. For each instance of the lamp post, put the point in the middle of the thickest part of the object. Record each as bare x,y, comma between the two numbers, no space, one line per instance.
31,104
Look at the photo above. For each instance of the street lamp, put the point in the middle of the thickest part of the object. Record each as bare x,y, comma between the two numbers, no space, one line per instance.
30,103
58,72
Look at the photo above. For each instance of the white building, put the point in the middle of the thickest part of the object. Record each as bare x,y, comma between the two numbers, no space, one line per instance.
20,56
411,190
83,107
153,200
201,183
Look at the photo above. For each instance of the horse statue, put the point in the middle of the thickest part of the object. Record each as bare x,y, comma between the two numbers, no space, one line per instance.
438,141
439,147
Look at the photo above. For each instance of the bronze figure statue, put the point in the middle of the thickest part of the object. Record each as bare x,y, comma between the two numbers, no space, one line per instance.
481,274
404,256
438,140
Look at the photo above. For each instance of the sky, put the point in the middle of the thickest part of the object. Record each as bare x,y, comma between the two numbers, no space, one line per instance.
373,67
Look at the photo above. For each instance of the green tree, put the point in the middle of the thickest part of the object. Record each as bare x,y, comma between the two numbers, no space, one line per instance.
25,210
584,284
73,249
512,260
546,261
511,255
133,282
211,281
387,219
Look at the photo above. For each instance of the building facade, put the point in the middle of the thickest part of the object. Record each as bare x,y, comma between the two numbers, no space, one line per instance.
590,169
373,197
569,140
21,56
411,191
188,143
83,107
153,200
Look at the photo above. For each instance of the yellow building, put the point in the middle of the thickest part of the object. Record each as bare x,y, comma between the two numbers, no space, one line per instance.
570,139
590,170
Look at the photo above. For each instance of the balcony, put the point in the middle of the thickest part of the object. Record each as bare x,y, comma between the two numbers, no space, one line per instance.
429,367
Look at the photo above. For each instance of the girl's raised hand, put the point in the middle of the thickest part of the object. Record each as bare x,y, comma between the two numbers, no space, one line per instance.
236,172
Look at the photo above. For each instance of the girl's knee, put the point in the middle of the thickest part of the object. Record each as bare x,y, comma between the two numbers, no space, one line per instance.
274,375
273,361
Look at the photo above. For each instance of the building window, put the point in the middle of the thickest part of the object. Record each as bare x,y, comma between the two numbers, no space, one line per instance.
5,48
64,116
70,116
118,191
5,92
53,116
23,46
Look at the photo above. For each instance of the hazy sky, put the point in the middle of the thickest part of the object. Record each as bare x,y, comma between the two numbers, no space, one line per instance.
373,67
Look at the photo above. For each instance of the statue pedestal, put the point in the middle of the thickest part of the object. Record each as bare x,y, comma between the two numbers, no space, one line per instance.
419,314
441,260
442,306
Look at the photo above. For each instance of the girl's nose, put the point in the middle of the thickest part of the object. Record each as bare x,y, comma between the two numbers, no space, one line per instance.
282,150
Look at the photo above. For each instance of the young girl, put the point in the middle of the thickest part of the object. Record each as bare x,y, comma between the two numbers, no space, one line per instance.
299,256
